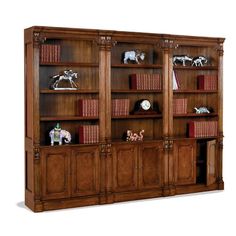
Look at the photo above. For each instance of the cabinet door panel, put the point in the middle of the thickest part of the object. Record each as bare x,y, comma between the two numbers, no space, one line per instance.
185,162
125,159
211,162
55,173
150,165
85,171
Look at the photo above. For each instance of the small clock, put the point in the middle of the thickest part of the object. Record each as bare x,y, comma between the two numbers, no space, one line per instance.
143,107
145,104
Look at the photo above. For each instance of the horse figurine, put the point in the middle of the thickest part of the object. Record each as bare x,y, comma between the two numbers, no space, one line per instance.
57,135
134,136
68,75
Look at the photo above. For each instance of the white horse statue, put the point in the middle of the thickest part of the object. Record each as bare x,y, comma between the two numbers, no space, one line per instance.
57,135
68,75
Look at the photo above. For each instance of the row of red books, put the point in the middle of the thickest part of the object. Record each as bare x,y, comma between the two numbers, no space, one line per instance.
120,107
179,106
88,107
88,134
145,81
207,82
201,129
50,53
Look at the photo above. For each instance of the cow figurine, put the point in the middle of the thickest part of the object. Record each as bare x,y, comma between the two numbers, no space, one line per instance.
181,59
201,110
199,61
57,135
133,56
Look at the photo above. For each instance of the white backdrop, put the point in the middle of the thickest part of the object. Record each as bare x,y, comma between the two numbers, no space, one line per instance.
196,214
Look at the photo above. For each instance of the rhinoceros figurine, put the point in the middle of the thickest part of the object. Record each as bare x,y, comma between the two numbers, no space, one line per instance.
134,55
201,110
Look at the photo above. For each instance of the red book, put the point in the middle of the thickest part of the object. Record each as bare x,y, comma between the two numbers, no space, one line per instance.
201,129
180,106
207,82
88,134
88,107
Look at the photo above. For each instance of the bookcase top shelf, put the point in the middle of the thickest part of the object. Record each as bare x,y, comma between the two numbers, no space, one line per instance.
143,66
195,67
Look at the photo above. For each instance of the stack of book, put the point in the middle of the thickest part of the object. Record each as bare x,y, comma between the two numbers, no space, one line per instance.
88,107
207,82
180,106
50,53
88,134
201,129
120,107
145,81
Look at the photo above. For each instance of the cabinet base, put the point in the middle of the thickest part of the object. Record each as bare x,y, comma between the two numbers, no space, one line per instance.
39,206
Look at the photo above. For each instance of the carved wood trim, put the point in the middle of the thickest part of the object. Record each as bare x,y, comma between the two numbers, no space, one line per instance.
105,42
38,39
168,44
220,49
36,153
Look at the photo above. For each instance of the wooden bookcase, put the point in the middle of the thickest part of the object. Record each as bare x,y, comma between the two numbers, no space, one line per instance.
166,163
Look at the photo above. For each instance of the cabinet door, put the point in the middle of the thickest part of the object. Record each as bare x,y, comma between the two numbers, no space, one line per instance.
85,170
185,162
150,165
125,157
211,162
55,168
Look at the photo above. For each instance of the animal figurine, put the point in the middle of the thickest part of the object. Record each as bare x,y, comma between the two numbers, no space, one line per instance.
181,59
67,75
201,110
57,135
133,56
199,61
134,136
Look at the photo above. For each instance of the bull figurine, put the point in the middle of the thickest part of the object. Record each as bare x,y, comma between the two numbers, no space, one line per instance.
134,55
199,61
181,59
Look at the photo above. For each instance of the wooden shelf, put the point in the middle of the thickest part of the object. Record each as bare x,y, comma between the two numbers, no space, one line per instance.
69,64
198,138
79,91
68,145
69,118
138,116
195,67
195,115
146,140
194,91
134,91
144,66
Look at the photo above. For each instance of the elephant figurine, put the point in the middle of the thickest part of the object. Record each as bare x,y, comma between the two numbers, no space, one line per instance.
57,135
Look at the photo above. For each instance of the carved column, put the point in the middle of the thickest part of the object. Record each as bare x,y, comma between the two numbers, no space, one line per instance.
167,46
105,44
220,112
